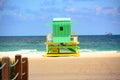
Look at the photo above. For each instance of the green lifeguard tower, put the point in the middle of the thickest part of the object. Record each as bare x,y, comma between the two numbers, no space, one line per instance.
61,42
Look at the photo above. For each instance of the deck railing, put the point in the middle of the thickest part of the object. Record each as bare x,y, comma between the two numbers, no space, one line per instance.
74,37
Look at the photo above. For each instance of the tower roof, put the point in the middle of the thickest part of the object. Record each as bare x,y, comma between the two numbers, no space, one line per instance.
61,19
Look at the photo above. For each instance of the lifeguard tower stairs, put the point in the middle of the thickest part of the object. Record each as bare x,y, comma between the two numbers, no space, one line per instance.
61,42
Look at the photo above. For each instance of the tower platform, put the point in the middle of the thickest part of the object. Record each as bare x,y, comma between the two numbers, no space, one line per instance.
61,54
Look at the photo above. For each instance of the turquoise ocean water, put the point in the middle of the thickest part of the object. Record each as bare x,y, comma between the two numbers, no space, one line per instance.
36,43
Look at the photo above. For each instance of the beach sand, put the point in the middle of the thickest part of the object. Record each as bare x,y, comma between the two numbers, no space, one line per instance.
89,66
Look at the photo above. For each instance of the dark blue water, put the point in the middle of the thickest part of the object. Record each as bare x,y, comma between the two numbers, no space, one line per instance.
22,43
87,43
100,43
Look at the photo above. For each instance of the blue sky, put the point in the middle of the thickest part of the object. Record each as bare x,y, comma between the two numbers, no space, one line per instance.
30,17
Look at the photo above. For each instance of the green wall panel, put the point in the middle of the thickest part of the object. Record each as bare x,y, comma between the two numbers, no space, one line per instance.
61,35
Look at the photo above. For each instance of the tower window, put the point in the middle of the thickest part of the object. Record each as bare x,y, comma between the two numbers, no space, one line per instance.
61,28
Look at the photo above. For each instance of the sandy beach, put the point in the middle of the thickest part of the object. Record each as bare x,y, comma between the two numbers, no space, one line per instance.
89,66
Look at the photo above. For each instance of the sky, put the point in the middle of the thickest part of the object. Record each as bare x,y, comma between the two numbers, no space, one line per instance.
34,17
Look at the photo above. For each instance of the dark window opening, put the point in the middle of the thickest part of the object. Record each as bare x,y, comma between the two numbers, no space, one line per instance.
61,28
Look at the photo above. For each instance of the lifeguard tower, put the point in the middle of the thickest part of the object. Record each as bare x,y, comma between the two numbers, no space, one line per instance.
61,42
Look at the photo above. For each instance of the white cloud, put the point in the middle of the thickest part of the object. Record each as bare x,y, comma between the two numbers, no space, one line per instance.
116,22
98,10
21,16
112,10
1,3
16,14
72,9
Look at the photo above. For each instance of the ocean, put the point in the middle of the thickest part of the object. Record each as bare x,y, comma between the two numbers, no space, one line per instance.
88,43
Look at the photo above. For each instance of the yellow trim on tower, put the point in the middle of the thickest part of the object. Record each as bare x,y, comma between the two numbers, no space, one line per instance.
61,54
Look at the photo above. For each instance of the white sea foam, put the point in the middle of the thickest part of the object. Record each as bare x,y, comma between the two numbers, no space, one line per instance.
33,53
96,51
86,50
24,53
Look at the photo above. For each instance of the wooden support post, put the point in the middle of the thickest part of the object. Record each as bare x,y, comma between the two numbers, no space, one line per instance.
6,68
25,68
18,67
